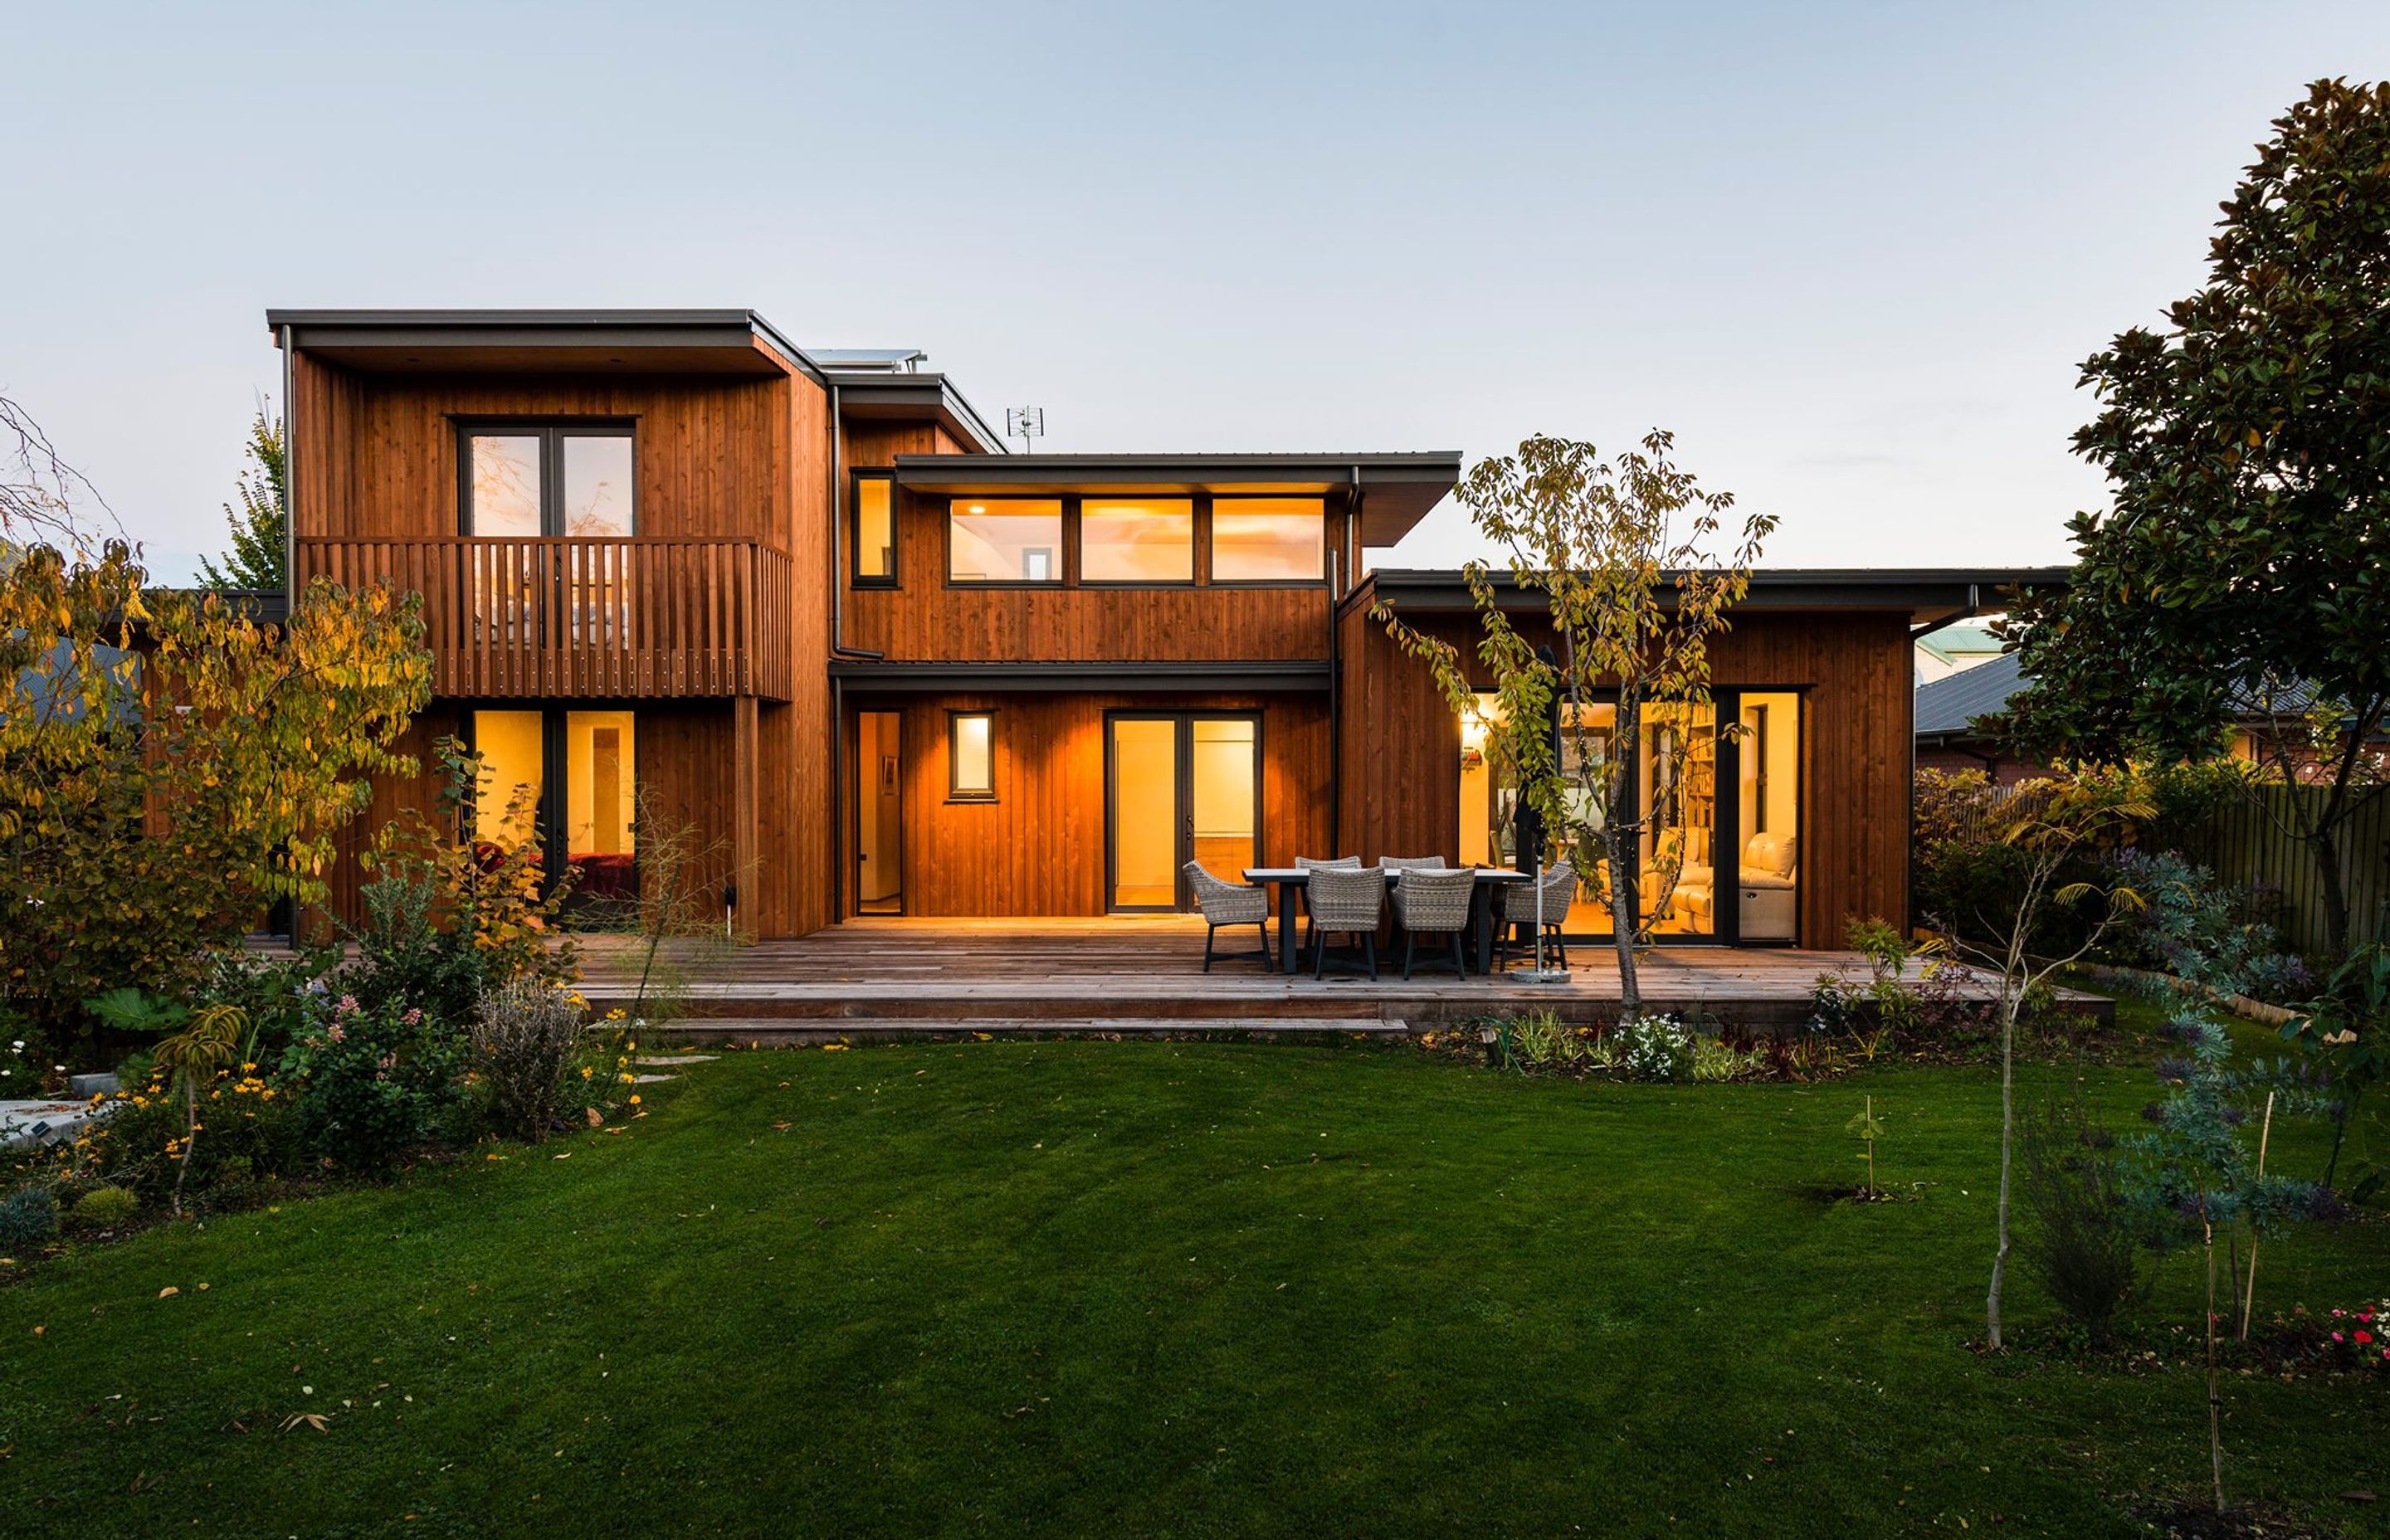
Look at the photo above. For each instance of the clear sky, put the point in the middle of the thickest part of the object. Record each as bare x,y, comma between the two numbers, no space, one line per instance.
1853,254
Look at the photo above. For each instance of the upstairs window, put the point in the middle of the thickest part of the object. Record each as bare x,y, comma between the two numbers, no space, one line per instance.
1269,539
874,535
1142,540
1004,540
549,479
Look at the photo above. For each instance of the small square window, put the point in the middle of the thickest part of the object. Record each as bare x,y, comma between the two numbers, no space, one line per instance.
970,756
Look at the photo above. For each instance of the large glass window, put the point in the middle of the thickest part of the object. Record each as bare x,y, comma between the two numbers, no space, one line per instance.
513,746
875,530
1768,754
1005,540
1269,539
1676,785
1489,802
601,804
549,479
1146,540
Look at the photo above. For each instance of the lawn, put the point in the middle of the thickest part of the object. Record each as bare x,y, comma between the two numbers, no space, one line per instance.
1145,1289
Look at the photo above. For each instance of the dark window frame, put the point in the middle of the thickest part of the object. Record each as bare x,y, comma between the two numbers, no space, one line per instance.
551,433
1212,509
552,810
956,791
1197,523
857,577
1183,795
1066,564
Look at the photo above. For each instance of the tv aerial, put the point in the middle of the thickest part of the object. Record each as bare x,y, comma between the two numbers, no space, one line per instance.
1025,423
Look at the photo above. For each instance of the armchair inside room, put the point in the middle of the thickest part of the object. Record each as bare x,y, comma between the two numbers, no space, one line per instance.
1694,899
1767,883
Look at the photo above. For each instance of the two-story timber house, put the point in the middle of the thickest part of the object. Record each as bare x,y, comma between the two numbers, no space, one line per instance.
806,604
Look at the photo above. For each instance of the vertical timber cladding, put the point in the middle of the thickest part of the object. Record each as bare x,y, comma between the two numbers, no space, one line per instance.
1038,847
746,457
1401,748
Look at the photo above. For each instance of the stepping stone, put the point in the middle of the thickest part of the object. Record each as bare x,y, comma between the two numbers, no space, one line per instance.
676,1059
651,1080
32,1124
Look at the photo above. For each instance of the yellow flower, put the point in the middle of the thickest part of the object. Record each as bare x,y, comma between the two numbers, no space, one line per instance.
634,1099
587,1071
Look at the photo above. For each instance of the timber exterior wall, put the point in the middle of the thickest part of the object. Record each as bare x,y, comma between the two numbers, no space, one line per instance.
1401,746
1038,848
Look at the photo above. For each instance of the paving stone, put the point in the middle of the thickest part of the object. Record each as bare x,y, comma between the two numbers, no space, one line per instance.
676,1059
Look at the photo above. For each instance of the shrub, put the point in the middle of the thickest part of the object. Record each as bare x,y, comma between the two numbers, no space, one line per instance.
27,1217
248,1126
1540,1040
1715,1059
2199,930
373,1085
2080,1241
105,1207
523,1038
1654,1048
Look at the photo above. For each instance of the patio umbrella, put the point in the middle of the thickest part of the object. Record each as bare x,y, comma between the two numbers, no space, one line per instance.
1529,824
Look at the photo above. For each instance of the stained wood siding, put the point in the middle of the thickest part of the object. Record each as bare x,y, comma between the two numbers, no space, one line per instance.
1401,748
1039,849
723,466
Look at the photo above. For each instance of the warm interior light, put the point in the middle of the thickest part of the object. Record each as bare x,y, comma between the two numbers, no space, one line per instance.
979,507
1472,731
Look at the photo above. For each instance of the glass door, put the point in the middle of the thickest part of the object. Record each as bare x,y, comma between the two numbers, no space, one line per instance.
1181,786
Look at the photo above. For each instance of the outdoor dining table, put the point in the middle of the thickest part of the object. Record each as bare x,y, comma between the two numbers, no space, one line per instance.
1292,880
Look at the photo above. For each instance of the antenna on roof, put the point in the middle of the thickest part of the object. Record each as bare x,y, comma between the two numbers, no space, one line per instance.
1024,423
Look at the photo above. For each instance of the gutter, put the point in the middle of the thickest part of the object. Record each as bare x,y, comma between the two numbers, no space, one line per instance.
290,476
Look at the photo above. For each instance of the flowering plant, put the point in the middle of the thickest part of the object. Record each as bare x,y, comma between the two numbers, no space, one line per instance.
1654,1048
2356,1339
373,1084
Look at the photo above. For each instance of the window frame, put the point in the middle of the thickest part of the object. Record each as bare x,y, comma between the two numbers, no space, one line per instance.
1208,523
551,433
1066,555
552,812
855,576
956,791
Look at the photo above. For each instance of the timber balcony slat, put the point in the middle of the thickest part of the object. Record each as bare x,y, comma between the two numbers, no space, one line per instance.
638,616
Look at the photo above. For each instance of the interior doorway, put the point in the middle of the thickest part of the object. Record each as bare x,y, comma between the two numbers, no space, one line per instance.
879,801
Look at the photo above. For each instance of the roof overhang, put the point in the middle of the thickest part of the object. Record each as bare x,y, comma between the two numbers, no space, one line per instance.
1925,596
1079,678
579,342
1393,492
889,396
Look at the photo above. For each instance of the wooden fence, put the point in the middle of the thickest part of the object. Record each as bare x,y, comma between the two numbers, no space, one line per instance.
2245,840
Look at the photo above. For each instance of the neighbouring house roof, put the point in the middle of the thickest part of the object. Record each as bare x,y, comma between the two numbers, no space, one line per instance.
1930,596
1945,706
1394,490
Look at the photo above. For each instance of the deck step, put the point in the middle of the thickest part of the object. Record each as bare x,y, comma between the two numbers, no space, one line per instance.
776,1031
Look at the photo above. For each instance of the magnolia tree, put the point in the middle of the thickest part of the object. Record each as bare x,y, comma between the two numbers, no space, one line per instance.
1617,554
2243,573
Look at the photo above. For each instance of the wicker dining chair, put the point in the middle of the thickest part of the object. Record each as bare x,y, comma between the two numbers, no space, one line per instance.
1346,900
1559,888
1228,903
1319,864
1411,862
1433,903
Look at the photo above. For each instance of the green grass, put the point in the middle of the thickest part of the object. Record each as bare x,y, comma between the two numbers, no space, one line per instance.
1143,1290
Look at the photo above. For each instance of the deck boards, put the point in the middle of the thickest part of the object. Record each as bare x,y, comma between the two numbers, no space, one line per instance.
1045,974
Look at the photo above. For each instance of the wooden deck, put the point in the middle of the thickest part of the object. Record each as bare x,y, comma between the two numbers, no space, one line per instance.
1121,974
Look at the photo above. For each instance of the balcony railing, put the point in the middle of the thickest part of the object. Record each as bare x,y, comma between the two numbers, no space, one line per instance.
629,617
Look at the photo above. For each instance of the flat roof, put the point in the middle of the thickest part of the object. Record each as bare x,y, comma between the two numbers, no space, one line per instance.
1394,490
1929,595
605,341
914,397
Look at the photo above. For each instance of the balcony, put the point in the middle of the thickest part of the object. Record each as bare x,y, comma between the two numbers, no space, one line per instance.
640,618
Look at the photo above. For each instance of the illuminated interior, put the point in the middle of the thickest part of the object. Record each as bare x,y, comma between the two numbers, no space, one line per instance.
1222,784
1145,812
513,749
601,804
1489,800
1005,540
875,527
1267,539
1768,750
1676,787
1146,540
972,770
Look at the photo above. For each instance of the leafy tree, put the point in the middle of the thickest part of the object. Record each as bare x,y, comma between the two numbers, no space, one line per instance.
1619,552
261,525
2348,1027
2046,828
168,766
2245,564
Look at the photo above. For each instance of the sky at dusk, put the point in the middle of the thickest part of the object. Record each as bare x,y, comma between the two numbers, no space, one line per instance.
1853,255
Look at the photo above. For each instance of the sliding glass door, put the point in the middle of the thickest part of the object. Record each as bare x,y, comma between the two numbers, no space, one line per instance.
1180,786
